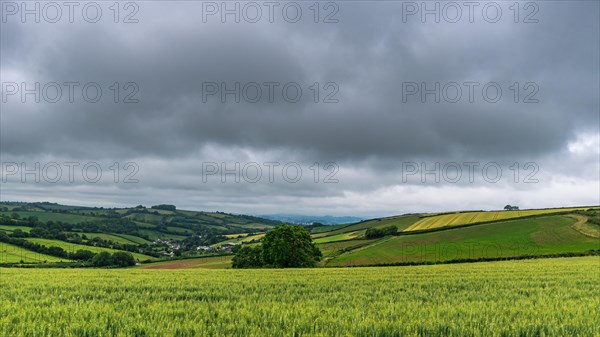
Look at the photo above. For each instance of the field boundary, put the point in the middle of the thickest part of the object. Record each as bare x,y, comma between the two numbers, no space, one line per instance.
591,252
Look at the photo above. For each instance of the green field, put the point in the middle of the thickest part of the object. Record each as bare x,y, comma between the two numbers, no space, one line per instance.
134,239
532,236
244,239
153,235
72,247
48,216
340,237
109,237
546,297
15,254
334,248
466,218
401,222
234,236
144,225
327,228
211,262
13,228
119,238
253,225
179,230
153,218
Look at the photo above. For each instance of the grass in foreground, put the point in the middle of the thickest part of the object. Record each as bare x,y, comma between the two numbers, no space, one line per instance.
549,297
212,262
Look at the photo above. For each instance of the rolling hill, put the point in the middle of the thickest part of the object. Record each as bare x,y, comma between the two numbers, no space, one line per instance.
513,238
147,233
488,236
161,232
466,235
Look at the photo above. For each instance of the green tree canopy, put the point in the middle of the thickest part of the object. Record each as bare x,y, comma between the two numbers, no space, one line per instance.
372,233
282,247
83,255
122,259
102,259
247,257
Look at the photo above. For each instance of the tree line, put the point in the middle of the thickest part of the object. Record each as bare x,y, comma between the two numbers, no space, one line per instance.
102,259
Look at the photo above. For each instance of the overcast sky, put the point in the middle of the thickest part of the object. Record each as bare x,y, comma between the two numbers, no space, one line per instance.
278,113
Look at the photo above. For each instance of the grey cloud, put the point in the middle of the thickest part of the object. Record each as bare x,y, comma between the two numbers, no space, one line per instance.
369,54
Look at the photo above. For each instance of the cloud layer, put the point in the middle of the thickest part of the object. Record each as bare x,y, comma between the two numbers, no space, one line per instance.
356,110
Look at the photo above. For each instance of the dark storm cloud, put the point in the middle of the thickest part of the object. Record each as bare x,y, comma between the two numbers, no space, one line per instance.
368,54
170,63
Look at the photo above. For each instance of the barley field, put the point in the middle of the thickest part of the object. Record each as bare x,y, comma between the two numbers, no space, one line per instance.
546,297
457,219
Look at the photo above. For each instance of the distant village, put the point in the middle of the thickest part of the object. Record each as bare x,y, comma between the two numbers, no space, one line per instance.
175,246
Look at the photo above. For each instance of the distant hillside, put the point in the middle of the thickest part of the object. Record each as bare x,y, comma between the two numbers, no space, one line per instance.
512,238
49,233
461,236
309,219
146,232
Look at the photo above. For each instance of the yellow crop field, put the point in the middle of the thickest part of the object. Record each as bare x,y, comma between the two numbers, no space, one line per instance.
466,218
546,297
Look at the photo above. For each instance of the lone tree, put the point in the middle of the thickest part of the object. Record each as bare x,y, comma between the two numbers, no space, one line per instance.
282,247
122,259
247,257
117,259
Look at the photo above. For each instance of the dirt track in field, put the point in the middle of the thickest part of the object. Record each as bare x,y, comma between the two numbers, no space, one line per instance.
583,227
